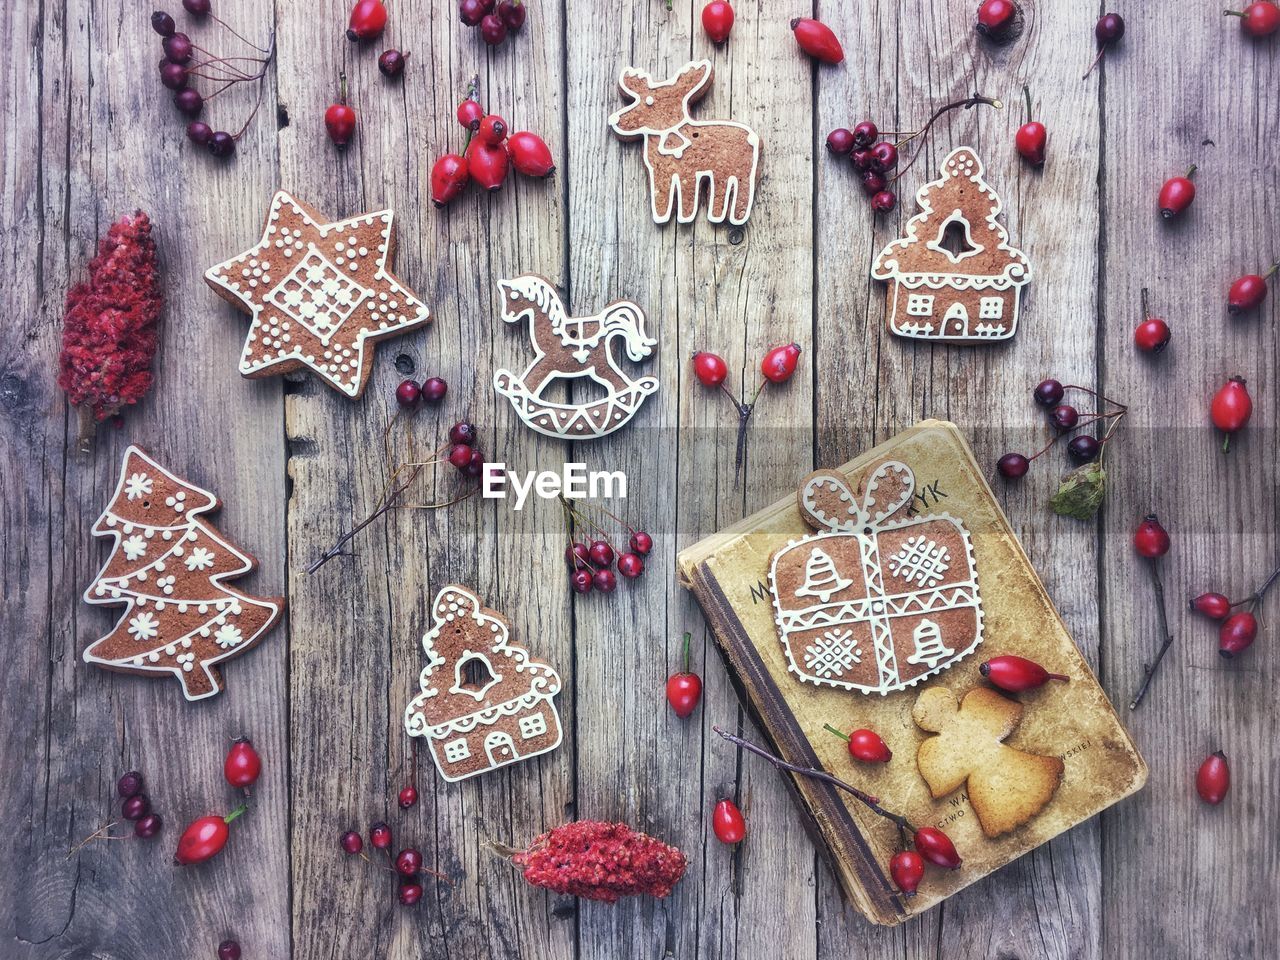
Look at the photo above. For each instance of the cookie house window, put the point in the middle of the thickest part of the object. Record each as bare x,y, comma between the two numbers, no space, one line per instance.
991,308
920,305
474,676
532,726
456,751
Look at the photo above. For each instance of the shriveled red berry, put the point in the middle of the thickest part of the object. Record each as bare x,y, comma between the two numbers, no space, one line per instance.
873,182
1213,779
391,63
865,134
129,784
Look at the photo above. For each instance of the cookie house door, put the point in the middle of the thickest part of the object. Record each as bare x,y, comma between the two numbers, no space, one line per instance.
956,321
499,747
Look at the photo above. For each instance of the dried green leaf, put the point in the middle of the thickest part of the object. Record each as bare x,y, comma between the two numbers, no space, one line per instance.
1081,492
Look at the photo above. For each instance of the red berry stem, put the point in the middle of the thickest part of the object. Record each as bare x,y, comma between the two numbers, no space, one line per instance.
843,736
473,93
1026,94
1150,670
872,803
687,638
967,103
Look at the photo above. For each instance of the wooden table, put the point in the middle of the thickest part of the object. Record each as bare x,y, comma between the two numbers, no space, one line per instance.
89,135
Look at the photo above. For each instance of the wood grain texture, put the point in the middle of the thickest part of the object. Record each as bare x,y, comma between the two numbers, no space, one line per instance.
90,135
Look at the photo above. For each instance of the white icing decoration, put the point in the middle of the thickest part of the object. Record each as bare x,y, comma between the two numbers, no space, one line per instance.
138,485
134,547
199,559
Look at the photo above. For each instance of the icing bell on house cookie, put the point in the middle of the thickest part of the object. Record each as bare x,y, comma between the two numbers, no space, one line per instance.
681,153
567,348
878,600
483,701
954,275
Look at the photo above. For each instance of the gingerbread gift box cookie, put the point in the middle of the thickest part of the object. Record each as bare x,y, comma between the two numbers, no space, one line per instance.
169,565
878,599
320,294
483,701
569,348
1006,786
954,275
682,154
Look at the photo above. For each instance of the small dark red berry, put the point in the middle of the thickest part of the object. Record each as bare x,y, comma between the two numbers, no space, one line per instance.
410,893
630,565
188,101
228,950
1064,416
173,75
1048,393
476,466
582,581
885,155
864,134
1109,28
148,827
601,553
1151,540
493,30
352,842
513,13
199,132
177,47
434,389
391,63
408,797
641,543
1152,335
840,141
222,144
605,581
197,8
135,807
162,23
1084,448
577,555
862,159
407,393
471,12
462,432
460,456
1013,466
380,836
129,784
408,861
872,182
884,201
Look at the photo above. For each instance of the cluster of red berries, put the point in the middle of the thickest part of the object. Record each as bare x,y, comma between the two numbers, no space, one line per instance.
205,836
490,152
432,390
1259,19
591,565
407,865
1239,629
906,867
180,66
872,158
367,21
464,451
135,806
1064,418
495,20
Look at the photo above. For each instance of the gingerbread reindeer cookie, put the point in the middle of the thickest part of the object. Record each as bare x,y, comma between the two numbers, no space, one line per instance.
954,275
168,566
566,348
321,293
877,600
1006,786
483,701
681,153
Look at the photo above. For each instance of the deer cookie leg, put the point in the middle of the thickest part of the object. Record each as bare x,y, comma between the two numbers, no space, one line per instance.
723,200
742,194
662,195
688,188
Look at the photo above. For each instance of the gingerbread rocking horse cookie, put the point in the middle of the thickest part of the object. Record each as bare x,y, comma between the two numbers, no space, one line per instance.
568,347
1006,786
877,600
954,275
681,152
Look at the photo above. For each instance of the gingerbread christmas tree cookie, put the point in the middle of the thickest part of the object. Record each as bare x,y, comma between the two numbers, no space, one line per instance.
953,274
1006,786
483,701
878,599
681,153
320,294
169,566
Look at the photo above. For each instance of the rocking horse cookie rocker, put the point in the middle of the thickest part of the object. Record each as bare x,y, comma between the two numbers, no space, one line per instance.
483,701
966,290
681,152
876,600
568,347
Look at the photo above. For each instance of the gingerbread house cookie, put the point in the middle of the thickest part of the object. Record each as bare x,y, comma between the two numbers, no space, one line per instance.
484,702
878,599
321,293
681,153
954,275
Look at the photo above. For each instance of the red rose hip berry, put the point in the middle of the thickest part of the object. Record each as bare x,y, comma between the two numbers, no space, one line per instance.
492,130
1215,606
995,17
448,176
1213,779
380,836
728,823
816,39
1152,335
907,870
684,689
351,842
1151,540
408,797
1260,19
487,164
408,862
717,20
1231,409
1248,292
340,118
840,141
1237,634
641,543
368,20
243,765
780,363
530,156
936,847
866,746
1030,142
709,368
1016,674
1176,194
470,113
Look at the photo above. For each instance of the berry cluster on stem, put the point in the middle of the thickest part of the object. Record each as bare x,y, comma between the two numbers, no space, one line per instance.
591,565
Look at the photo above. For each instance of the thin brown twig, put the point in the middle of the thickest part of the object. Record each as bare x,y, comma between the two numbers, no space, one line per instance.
390,502
1165,633
967,103
872,803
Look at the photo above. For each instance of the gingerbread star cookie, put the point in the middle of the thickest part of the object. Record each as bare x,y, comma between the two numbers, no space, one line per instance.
320,294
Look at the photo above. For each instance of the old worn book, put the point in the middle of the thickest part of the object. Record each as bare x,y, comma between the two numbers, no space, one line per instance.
853,595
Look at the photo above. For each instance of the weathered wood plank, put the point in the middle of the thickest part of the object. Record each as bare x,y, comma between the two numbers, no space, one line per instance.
363,617
917,58
1172,877
75,169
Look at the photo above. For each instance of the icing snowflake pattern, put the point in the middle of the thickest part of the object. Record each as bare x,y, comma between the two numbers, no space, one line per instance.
138,485
199,559
228,635
144,626
921,561
134,547
832,654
